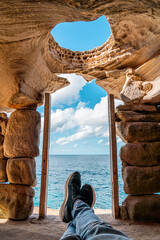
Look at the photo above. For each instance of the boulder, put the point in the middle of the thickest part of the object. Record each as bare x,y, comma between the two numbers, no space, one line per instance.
143,208
138,131
22,134
16,201
3,175
141,180
140,154
130,116
22,171
136,108
3,126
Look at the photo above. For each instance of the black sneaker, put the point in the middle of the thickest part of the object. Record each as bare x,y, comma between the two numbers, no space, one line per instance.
72,192
87,194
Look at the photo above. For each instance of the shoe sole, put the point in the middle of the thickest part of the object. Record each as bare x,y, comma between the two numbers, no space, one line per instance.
62,209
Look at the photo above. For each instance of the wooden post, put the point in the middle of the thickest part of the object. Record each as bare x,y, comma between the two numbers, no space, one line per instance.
113,157
45,158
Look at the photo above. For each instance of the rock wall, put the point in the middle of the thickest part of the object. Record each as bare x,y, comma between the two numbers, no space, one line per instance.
19,145
3,159
139,127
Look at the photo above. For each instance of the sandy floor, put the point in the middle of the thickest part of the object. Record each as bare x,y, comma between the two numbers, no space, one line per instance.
51,228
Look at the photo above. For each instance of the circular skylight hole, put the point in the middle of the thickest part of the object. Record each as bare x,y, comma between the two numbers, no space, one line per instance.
82,36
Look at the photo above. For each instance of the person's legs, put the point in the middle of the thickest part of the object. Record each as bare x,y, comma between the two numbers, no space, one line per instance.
70,233
90,227
77,207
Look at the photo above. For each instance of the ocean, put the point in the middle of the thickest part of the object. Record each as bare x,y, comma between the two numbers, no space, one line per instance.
94,169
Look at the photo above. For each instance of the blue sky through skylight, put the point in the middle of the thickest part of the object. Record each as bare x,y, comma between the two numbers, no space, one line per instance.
79,120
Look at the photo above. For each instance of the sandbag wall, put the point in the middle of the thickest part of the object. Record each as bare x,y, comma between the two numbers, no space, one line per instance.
139,127
19,145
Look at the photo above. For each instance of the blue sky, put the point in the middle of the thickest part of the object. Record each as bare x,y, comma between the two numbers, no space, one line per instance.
79,114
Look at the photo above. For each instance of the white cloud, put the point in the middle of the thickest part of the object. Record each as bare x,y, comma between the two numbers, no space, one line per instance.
70,93
100,141
75,145
90,122
87,122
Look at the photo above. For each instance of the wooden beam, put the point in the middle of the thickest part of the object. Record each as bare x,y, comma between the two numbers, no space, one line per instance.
113,157
45,157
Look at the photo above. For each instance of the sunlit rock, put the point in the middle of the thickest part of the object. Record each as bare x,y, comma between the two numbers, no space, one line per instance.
22,135
22,171
16,201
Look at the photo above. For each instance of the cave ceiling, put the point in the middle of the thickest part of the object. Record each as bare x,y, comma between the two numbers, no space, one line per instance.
127,65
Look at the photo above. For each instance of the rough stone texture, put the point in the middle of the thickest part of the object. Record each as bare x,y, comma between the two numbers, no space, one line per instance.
138,131
22,171
16,201
1,152
3,175
141,154
136,108
3,116
1,147
130,116
3,126
134,43
22,134
141,180
143,208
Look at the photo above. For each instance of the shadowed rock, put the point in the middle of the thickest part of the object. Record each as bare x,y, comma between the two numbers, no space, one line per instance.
3,175
143,208
141,154
138,131
141,180
130,116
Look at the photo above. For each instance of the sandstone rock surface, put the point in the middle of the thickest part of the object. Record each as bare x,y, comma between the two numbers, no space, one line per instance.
130,116
143,208
141,154
3,175
138,131
16,201
136,108
141,180
22,134
134,43
22,171
1,147
3,126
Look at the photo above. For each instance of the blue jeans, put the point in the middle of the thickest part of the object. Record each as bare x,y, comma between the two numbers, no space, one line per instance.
86,225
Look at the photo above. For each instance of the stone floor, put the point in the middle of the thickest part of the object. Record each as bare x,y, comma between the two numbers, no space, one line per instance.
52,228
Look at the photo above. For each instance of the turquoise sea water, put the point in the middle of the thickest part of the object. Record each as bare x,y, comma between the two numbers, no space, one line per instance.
94,169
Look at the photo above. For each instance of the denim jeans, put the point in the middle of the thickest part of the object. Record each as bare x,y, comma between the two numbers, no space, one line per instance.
86,225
